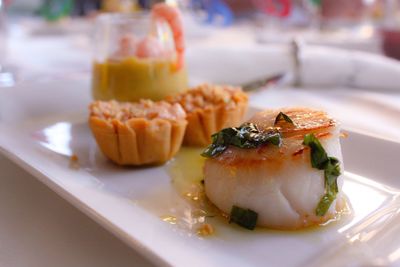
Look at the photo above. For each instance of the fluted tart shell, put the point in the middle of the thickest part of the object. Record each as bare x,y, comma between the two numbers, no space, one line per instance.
210,108
137,133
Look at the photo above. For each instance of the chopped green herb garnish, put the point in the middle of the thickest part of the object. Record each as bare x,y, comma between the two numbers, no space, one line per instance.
243,217
331,167
318,155
282,117
245,136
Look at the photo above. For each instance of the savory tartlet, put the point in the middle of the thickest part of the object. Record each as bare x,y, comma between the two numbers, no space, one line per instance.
210,108
139,133
282,169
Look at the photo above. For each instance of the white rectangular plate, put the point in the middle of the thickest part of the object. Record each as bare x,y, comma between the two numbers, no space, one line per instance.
42,125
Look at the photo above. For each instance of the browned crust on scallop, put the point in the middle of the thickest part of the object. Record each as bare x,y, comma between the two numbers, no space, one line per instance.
138,141
205,121
305,120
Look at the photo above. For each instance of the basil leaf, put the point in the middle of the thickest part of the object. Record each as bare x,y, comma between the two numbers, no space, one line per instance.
283,117
246,136
331,172
324,204
318,154
331,168
243,217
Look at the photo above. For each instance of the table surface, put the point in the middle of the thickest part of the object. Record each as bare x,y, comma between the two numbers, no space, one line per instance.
39,228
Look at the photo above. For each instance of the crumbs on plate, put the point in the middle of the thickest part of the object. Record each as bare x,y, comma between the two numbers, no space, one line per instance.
205,230
74,162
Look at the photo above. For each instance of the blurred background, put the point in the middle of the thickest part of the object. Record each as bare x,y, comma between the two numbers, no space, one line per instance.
28,27
340,22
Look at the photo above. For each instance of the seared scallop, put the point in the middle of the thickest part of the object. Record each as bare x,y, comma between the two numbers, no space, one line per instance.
278,182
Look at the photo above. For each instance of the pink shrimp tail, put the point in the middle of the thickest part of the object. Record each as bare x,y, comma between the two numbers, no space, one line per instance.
173,17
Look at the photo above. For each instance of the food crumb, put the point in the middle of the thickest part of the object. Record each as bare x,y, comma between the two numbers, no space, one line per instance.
344,134
74,162
205,230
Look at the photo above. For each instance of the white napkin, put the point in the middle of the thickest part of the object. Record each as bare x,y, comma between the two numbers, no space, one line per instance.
327,67
319,66
236,64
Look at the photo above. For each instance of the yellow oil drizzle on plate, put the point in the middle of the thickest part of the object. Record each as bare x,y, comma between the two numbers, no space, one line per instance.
186,171
169,219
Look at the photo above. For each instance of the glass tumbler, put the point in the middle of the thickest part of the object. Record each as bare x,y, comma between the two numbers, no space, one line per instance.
138,56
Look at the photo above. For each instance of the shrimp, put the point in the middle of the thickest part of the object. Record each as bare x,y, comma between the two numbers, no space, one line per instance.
278,183
149,47
172,16
126,47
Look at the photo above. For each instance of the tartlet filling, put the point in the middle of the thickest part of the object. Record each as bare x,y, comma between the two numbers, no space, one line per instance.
206,95
110,110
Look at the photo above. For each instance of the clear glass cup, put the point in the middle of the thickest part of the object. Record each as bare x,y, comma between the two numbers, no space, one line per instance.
137,56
